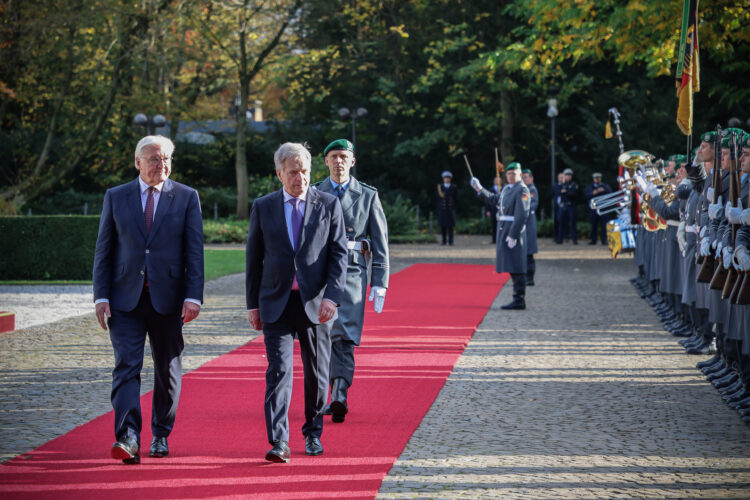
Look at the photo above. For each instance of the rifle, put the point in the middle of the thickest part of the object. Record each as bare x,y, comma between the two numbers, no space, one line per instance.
730,275
706,272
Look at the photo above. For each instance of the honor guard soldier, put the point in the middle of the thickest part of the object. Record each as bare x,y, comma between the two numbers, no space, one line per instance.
367,235
513,205
531,246
446,201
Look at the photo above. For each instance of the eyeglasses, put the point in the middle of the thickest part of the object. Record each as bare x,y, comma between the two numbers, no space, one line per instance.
157,160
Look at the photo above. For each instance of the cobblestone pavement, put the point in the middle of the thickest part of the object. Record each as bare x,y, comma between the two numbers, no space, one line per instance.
582,395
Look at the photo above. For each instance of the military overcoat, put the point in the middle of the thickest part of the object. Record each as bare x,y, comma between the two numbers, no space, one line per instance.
513,204
363,219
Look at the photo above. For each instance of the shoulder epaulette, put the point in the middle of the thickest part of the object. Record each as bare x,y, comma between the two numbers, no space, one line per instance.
316,184
367,186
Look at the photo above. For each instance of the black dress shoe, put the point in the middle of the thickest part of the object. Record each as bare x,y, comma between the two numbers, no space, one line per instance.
516,304
313,446
280,452
529,282
159,447
126,450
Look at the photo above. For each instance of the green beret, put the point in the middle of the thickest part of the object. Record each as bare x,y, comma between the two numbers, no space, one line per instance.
709,137
671,158
513,166
745,140
526,171
679,159
339,144
728,136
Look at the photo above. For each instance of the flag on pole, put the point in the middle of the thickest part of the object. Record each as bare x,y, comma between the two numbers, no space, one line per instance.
688,68
608,130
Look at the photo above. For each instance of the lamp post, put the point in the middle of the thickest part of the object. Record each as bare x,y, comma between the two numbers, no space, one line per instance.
358,113
552,113
149,123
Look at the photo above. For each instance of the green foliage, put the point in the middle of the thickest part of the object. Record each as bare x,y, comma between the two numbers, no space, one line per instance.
225,231
217,263
401,215
47,247
475,225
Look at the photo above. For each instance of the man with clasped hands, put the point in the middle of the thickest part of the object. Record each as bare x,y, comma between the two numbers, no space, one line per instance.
295,278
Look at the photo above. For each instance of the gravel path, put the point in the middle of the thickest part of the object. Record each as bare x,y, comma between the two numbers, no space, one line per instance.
582,395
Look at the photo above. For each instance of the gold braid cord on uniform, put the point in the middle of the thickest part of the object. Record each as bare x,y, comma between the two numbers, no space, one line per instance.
440,191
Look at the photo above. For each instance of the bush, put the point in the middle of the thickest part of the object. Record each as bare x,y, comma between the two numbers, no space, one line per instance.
225,231
474,226
401,216
48,247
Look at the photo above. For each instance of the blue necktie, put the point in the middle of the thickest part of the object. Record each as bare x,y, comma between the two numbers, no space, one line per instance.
296,221
340,191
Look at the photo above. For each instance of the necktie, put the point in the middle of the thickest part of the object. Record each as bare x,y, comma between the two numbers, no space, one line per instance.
339,191
296,221
148,213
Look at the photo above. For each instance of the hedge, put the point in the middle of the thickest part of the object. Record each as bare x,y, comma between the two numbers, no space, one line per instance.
47,247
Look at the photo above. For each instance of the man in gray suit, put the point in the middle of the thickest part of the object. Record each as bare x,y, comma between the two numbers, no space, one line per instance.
367,239
513,206
295,278
148,280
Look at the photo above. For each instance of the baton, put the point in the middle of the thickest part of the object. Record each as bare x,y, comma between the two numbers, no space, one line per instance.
468,166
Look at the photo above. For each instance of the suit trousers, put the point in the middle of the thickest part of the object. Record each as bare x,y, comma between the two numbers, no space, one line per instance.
599,222
128,331
519,285
342,360
315,347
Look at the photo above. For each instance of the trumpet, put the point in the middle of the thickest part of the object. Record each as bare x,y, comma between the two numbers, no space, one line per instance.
612,202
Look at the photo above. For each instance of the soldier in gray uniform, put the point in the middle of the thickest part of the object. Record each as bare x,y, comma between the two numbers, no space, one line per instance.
513,204
531,246
367,235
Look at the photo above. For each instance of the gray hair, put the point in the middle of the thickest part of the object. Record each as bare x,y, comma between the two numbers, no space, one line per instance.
167,146
291,150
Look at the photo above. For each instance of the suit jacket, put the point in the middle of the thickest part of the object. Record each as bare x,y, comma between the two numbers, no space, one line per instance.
364,219
171,255
319,262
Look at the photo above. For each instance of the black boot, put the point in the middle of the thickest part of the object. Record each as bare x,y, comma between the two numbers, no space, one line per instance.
519,303
338,405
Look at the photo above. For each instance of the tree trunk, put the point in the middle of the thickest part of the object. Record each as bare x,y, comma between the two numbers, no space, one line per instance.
240,162
506,143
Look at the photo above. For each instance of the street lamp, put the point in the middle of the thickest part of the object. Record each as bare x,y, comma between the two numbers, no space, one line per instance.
150,124
552,113
358,113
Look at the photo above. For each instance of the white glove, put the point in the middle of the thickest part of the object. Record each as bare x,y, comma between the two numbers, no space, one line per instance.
733,213
703,232
717,246
652,190
745,217
681,241
716,210
726,257
378,294
710,194
741,259
476,184
705,247
511,242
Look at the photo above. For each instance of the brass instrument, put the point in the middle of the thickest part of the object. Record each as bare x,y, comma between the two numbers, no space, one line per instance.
645,171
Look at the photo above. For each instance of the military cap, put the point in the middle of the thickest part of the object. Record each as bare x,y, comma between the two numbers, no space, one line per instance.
568,171
728,136
709,137
596,174
447,173
745,140
526,171
513,166
339,144
679,159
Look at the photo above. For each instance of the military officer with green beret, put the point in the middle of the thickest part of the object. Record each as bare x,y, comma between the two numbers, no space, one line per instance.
367,235
513,206
531,246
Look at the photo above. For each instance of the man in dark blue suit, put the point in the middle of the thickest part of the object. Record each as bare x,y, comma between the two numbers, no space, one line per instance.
148,280
295,279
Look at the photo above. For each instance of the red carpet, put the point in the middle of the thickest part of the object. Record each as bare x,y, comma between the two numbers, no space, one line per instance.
219,441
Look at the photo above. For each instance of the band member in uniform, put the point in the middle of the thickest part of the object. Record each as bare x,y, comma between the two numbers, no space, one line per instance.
513,204
446,207
596,188
367,239
531,246
569,198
